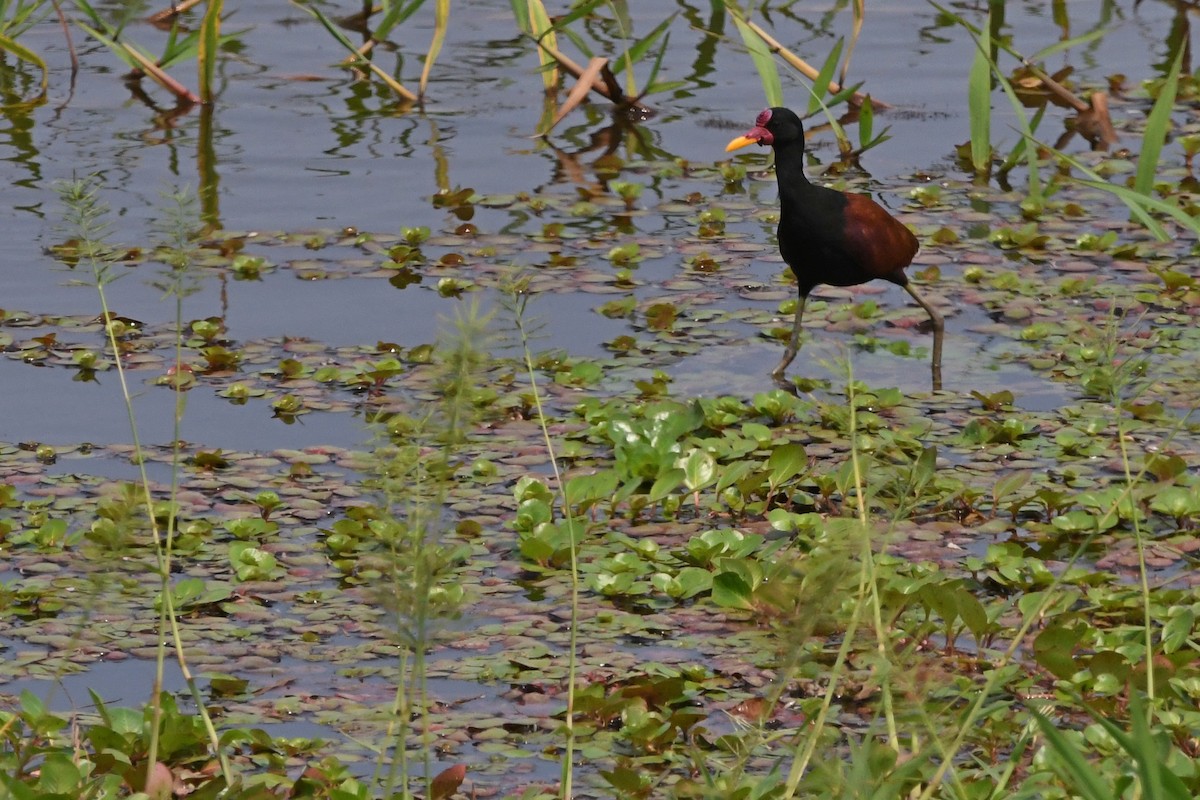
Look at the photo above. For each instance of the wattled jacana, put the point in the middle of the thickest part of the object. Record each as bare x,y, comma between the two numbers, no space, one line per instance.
832,237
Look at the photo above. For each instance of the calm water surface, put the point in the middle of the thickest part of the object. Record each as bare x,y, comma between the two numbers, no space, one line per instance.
297,145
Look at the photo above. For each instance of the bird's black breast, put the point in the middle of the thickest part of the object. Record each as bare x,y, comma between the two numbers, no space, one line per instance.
812,239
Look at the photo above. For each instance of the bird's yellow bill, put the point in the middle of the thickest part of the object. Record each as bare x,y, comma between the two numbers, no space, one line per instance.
739,143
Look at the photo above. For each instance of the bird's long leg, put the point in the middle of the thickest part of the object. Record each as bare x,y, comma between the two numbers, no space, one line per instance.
793,343
939,328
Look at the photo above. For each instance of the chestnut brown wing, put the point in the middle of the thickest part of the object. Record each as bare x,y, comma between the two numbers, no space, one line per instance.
879,242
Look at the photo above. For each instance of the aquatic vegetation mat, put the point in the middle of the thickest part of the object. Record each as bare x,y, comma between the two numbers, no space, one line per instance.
718,525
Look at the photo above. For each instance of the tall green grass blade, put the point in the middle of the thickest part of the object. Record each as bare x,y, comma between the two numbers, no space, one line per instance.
1004,45
1034,186
99,22
520,11
1076,769
177,48
1157,124
821,84
111,44
1140,205
979,103
763,61
542,31
1157,778
845,94
28,56
652,84
1067,44
641,47
394,14
1018,151
15,21
577,11
1035,182
867,137
866,122
333,29
341,38
636,52
839,132
206,57
441,20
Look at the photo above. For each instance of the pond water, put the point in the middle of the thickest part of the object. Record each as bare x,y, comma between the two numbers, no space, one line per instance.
320,175
296,146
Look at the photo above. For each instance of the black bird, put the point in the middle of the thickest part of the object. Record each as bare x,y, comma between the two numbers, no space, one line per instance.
832,237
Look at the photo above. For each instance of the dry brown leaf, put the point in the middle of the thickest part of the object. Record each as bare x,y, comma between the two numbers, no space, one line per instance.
447,782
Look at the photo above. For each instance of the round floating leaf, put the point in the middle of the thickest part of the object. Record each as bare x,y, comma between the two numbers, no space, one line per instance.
732,591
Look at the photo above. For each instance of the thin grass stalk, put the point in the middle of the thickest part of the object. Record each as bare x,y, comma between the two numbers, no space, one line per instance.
65,24
519,301
1034,186
419,483
412,687
975,705
1139,536
1139,539
421,672
866,576
180,248
139,61
613,93
808,746
397,732
869,565
1033,172
1087,782
86,217
1045,52
148,65
167,617
859,12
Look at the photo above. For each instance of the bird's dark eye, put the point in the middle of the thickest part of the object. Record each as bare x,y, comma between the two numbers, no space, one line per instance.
763,118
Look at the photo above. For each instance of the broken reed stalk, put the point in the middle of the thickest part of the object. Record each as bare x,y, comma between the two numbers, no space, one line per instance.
807,69
168,14
157,74
1092,118
600,84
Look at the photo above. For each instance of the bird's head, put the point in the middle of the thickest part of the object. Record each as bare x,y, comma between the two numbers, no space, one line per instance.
774,126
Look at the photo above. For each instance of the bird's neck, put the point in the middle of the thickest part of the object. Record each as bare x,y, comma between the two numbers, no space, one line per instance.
789,172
